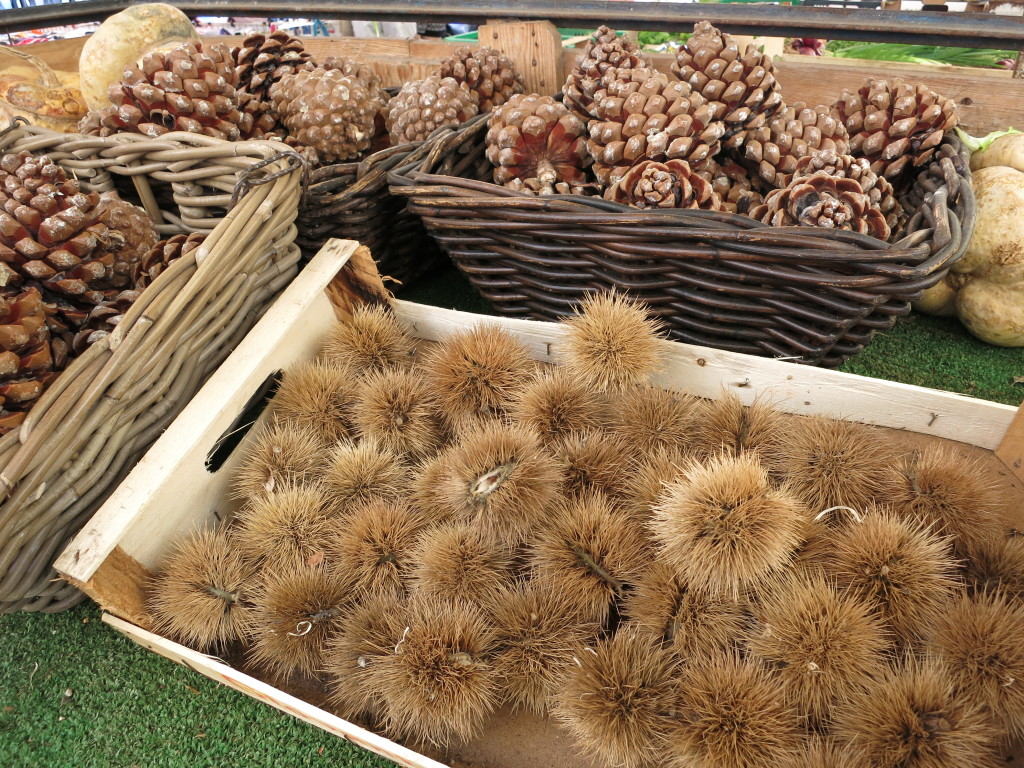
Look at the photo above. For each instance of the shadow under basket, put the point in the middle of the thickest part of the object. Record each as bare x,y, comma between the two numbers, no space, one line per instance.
715,279
97,418
351,201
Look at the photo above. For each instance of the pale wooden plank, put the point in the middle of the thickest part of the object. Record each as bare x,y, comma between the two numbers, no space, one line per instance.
536,49
147,512
222,673
1011,449
792,388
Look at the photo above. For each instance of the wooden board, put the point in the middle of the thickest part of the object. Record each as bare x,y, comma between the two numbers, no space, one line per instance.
536,49
1011,449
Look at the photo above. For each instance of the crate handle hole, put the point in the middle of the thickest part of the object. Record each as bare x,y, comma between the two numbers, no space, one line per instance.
233,435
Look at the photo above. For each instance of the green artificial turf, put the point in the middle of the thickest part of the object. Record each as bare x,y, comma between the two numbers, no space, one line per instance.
128,707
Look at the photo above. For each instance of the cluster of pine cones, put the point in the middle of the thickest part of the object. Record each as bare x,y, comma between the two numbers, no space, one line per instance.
71,263
271,87
718,136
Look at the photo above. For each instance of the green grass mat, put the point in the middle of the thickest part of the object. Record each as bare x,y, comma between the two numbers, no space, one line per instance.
75,693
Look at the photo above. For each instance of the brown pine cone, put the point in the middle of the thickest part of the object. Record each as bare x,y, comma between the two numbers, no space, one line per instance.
822,199
262,60
535,188
102,319
605,59
672,184
490,73
895,125
189,88
742,86
353,68
137,233
772,151
534,138
423,106
658,119
29,357
877,188
333,113
161,255
733,186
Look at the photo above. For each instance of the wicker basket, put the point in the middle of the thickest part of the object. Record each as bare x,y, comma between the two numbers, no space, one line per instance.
351,201
715,279
102,413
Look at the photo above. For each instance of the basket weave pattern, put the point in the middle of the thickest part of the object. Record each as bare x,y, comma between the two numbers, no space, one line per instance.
715,279
102,413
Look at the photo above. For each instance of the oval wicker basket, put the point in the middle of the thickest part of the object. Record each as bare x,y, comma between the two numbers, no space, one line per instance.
351,201
101,414
715,279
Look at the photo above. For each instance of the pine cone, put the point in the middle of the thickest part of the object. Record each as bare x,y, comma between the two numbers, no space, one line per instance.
423,106
490,73
822,199
534,138
741,87
52,232
658,120
877,188
733,186
672,184
259,63
102,319
772,151
896,126
334,113
353,68
188,88
535,188
606,58
160,257
29,357
137,233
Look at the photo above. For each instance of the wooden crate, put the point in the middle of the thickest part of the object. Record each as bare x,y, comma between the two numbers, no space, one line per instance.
171,492
988,100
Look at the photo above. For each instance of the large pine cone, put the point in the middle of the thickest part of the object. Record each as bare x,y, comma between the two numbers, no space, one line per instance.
53,233
605,59
733,186
489,73
772,151
896,126
189,88
423,106
262,61
672,184
29,356
329,111
137,230
828,200
658,119
102,319
741,84
538,141
878,189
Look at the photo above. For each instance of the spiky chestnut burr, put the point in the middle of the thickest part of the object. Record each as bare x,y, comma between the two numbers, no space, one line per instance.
438,683
726,528
456,561
592,552
201,596
901,566
953,493
556,404
352,656
477,374
824,643
696,624
371,546
650,476
319,396
296,611
425,487
726,426
284,528
653,419
823,752
373,339
592,461
731,714
538,630
912,716
354,473
830,463
397,409
996,563
612,343
979,639
618,698
500,479
279,454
